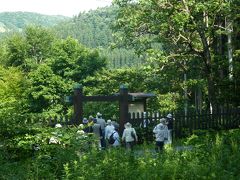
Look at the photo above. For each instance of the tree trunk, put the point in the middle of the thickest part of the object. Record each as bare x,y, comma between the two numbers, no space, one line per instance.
208,70
229,28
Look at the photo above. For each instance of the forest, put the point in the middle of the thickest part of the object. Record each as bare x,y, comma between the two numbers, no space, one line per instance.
185,52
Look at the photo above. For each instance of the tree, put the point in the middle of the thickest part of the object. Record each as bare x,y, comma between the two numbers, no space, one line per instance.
12,93
39,42
73,61
45,95
16,50
30,48
185,29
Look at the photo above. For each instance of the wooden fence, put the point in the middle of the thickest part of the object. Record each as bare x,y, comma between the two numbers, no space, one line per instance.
185,124
182,126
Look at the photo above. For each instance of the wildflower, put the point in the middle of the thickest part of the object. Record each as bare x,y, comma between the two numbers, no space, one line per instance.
80,132
53,140
36,147
58,126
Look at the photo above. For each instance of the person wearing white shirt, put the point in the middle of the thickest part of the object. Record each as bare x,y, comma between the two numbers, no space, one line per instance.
116,137
129,136
161,134
108,129
102,123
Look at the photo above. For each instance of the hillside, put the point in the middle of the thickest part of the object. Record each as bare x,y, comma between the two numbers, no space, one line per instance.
16,21
93,29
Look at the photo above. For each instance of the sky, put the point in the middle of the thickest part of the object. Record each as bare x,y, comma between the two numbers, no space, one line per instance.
52,7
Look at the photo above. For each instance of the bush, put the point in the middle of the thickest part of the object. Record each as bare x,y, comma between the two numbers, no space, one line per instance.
212,156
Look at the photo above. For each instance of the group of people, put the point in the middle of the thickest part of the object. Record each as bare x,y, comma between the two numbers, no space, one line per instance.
102,130
108,132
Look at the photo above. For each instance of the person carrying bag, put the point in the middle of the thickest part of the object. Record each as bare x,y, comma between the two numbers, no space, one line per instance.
129,136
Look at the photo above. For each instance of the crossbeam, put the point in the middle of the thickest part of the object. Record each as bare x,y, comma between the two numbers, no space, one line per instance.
101,98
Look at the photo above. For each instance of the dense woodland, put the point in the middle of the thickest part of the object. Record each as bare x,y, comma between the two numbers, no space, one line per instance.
93,29
185,52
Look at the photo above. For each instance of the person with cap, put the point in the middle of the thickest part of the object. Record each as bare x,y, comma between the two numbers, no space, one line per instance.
97,132
129,136
90,119
102,123
108,130
114,122
161,134
169,123
87,128
116,137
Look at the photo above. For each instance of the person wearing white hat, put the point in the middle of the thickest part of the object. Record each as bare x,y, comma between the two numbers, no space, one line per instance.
129,136
108,129
161,134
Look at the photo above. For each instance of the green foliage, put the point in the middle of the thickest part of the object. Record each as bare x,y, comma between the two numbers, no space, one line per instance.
12,87
46,91
16,48
93,29
51,65
167,102
42,151
186,37
39,42
141,79
73,162
17,21
28,49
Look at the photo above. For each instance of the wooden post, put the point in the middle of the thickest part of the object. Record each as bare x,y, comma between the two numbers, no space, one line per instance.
123,106
78,104
145,105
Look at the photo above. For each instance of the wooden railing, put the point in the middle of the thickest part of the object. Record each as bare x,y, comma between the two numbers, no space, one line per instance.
184,124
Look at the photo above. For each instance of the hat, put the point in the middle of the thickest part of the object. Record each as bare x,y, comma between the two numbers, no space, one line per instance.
90,117
94,120
99,114
162,120
109,122
169,116
85,121
128,125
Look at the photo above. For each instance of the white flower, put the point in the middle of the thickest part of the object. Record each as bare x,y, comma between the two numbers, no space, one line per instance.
36,147
80,132
53,140
58,126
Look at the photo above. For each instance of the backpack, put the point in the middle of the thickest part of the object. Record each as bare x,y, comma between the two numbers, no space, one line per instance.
133,135
111,139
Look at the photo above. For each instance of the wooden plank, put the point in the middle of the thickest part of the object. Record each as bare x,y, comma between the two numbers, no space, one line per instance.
101,98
